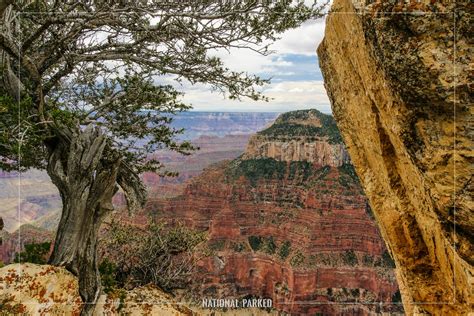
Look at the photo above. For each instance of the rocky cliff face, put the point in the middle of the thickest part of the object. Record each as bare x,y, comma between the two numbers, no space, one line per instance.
295,231
300,136
401,90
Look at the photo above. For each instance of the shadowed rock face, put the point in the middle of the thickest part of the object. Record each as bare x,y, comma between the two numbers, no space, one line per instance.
401,92
298,231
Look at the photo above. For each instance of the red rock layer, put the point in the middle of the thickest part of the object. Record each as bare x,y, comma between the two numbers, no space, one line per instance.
335,255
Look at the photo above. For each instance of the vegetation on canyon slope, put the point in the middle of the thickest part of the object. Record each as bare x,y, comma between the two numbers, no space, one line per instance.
165,256
304,172
296,123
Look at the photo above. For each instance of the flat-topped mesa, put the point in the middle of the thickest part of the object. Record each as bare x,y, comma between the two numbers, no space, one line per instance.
305,135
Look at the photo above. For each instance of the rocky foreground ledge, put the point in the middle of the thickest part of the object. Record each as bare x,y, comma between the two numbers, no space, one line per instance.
31,289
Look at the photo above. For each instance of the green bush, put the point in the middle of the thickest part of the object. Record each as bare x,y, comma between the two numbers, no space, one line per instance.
298,259
262,243
162,255
255,242
387,260
348,173
217,245
367,260
34,253
397,297
285,250
350,258
257,169
238,247
329,292
269,245
369,211
355,293
108,275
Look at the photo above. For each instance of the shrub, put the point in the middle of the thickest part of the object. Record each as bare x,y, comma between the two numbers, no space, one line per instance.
164,256
255,242
34,253
298,259
350,258
108,275
397,297
238,247
387,260
285,250
329,292
269,245
256,169
355,293
368,260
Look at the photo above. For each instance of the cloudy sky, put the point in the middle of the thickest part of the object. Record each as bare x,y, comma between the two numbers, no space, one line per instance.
297,82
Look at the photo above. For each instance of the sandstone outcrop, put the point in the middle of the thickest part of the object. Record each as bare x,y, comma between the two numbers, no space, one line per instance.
30,289
401,90
298,232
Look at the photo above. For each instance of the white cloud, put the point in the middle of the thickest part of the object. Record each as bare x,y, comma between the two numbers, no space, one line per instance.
285,96
298,93
302,40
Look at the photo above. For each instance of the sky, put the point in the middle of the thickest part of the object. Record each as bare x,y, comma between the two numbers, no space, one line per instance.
296,83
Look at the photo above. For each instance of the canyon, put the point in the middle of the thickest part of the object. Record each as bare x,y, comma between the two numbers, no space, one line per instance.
30,204
298,231
31,197
399,77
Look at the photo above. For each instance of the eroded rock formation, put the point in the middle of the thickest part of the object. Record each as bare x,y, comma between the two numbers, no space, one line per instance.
401,91
313,138
295,231
30,289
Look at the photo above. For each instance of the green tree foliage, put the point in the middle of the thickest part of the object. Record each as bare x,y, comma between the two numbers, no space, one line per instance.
263,243
285,250
387,260
270,169
397,297
297,259
349,257
34,253
255,242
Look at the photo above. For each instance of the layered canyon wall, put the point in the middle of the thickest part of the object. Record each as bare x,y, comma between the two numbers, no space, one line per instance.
401,91
297,231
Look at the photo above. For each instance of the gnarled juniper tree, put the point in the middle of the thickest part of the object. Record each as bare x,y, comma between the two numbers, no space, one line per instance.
80,95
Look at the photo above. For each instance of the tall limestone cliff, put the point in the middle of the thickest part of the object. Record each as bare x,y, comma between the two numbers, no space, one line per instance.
400,85
300,136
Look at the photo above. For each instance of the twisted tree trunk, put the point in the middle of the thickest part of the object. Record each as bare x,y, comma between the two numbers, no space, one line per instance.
86,177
